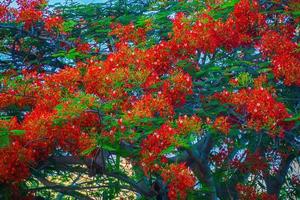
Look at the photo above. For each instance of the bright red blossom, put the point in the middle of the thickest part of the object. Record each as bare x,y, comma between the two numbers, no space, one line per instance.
284,56
128,33
222,124
254,163
15,162
137,85
153,145
180,179
186,125
249,193
54,23
29,13
263,111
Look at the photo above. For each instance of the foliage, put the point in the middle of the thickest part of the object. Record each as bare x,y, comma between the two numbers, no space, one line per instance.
165,99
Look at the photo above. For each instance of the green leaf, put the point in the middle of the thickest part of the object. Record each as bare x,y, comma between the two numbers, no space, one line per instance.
224,10
108,147
59,54
183,142
168,150
17,132
294,118
69,25
4,138
88,151
72,54
296,13
244,79
208,70
229,4
141,22
106,107
5,117
264,70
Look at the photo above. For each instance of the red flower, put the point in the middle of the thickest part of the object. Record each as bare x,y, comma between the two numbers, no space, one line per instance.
180,180
128,33
29,13
284,55
222,124
54,23
246,192
263,111
153,145
249,193
186,125
83,47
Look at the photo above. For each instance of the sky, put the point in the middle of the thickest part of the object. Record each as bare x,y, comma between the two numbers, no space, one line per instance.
63,1
79,1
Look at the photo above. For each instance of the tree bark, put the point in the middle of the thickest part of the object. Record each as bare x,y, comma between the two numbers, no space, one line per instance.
274,183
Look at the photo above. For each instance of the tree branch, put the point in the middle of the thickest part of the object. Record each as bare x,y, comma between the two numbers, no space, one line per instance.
62,189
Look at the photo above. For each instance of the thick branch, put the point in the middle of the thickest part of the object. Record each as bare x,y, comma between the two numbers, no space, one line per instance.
274,183
64,190
65,161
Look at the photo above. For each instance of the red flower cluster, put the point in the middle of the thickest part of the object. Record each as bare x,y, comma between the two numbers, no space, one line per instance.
16,158
284,55
186,125
144,84
29,12
220,155
260,81
15,162
128,33
207,34
222,124
177,87
249,193
7,99
149,106
16,93
68,78
43,134
42,137
6,11
153,145
52,23
3,13
295,180
82,46
247,17
254,163
180,179
263,111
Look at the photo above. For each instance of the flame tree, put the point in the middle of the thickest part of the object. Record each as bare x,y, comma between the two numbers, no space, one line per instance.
165,99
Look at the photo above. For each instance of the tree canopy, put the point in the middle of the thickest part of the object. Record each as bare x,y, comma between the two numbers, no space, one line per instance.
150,99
